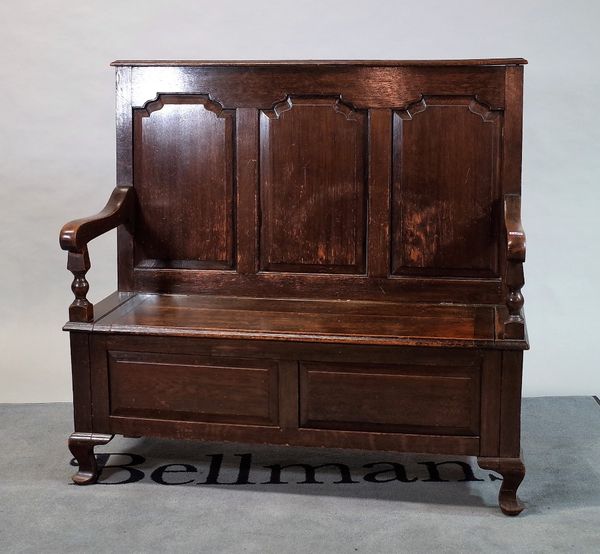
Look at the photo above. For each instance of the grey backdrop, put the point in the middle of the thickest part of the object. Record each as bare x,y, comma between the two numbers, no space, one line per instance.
57,145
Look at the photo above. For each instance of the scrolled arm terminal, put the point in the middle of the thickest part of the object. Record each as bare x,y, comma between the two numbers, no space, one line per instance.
74,237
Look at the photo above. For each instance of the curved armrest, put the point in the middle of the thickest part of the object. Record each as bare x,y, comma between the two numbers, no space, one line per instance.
515,235
75,235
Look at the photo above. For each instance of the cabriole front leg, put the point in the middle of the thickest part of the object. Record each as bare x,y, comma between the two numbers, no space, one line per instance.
513,472
82,446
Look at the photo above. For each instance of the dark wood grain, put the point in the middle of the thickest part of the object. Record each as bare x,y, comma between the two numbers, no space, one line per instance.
82,446
491,383
312,186
183,174
445,188
318,285
364,87
124,134
510,404
75,235
184,387
296,63
296,320
81,377
364,440
318,253
513,472
247,190
380,177
514,326
366,396
288,392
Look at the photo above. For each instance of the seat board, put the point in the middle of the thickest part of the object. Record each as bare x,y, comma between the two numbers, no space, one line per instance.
359,322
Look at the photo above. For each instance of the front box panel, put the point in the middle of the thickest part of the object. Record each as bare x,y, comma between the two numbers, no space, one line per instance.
390,398
192,388
387,398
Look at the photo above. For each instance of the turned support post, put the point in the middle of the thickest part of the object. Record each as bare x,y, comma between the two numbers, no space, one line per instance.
81,309
74,237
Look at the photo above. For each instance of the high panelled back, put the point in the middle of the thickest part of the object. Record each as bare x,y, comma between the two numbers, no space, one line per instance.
317,180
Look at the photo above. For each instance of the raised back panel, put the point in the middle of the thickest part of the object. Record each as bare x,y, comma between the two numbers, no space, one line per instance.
312,186
446,185
183,174
346,181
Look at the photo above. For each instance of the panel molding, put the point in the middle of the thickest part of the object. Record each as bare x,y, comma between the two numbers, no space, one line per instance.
188,250
164,98
329,251
475,106
291,100
179,386
426,215
371,393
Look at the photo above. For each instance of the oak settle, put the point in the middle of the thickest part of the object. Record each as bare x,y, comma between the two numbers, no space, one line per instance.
318,253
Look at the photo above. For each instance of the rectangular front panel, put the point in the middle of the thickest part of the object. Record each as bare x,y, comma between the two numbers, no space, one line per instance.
390,398
183,167
312,186
446,188
258,392
192,388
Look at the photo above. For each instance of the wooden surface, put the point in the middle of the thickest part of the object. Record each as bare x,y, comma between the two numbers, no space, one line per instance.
295,63
443,400
219,389
313,216
284,171
302,320
446,188
189,223
74,237
320,253
180,387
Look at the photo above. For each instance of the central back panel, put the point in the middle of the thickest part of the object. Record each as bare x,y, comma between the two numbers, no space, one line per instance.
313,186
374,182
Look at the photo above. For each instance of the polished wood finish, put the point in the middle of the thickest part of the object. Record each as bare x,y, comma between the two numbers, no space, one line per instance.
332,321
184,387
74,237
514,326
312,186
365,396
513,473
184,183
82,446
445,188
295,63
319,253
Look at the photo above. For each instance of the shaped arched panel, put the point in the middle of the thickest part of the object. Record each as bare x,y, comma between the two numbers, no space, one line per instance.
184,180
313,186
446,164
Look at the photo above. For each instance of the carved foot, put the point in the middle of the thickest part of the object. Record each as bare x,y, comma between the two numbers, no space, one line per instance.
81,446
513,472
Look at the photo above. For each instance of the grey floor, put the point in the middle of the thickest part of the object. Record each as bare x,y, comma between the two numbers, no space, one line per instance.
41,512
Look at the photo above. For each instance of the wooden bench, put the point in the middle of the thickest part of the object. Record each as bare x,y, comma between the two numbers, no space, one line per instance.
310,253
